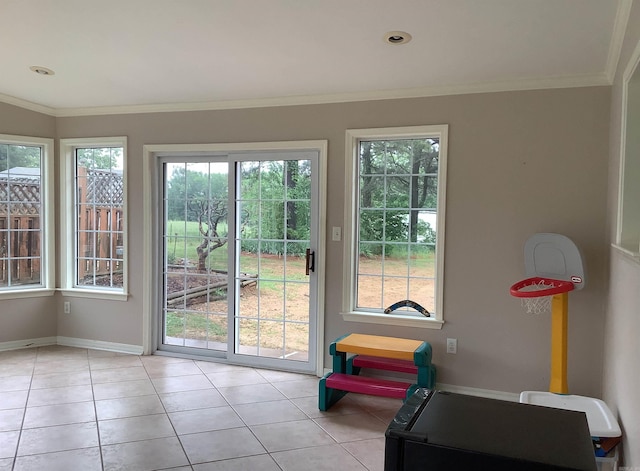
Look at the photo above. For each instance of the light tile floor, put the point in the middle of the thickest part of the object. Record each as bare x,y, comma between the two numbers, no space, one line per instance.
64,408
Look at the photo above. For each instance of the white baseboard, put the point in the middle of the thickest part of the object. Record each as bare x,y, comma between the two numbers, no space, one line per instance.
488,393
72,342
100,345
28,343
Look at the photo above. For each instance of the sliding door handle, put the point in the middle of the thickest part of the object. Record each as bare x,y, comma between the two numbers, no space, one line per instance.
310,262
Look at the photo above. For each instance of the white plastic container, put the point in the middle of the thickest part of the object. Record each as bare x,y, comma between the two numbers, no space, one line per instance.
601,421
609,462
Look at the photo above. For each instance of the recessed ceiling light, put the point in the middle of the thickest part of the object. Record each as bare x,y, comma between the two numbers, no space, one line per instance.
397,37
41,70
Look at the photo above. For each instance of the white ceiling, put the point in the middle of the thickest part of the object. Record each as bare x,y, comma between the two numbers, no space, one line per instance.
144,55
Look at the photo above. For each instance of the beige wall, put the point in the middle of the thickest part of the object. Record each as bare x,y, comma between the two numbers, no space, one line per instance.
621,382
21,122
519,163
24,319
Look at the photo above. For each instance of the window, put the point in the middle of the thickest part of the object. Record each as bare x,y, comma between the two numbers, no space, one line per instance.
628,234
394,224
26,225
95,217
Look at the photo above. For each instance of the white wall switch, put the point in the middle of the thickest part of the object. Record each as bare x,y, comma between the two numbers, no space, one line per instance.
452,345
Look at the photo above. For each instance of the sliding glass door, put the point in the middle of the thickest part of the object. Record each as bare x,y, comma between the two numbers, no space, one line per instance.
240,237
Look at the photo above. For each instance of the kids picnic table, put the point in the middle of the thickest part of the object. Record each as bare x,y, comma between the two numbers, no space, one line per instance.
352,352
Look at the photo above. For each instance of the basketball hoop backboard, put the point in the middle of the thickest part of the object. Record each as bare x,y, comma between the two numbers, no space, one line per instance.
555,256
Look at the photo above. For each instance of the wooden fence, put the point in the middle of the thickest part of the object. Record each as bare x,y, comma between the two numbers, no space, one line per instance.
100,241
99,219
20,230
100,225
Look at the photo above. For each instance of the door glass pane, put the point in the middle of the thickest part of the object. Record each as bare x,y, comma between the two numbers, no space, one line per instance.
295,342
275,233
271,339
259,314
195,248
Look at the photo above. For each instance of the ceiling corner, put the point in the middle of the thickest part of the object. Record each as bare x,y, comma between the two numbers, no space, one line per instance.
28,105
617,38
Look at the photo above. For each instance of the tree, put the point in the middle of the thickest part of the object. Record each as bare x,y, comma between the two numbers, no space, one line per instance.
188,185
275,206
12,155
425,164
398,181
98,158
200,197
291,181
210,213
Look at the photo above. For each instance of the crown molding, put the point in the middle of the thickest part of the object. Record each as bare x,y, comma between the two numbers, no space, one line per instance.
27,105
489,87
442,90
617,38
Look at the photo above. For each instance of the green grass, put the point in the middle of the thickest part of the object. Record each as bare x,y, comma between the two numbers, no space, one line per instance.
175,324
196,325
184,237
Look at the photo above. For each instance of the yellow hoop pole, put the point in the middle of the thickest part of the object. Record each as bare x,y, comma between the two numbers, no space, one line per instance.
559,327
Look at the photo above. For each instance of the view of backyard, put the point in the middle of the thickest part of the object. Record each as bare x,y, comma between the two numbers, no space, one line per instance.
204,317
270,305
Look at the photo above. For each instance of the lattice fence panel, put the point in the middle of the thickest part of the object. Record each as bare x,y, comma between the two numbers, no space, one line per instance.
104,187
23,194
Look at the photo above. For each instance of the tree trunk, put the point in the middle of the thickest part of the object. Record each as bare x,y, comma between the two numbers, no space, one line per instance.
415,193
291,182
365,191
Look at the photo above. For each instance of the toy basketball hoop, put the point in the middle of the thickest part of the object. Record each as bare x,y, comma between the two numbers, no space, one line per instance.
535,293
553,265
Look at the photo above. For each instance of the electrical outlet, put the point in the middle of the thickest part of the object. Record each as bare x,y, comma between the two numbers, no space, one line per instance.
452,346
67,307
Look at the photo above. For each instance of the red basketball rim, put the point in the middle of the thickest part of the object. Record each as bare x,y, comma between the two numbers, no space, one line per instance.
559,287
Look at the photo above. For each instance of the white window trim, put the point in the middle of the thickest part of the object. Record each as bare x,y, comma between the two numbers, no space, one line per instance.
150,156
48,242
628,245
352,138
68,255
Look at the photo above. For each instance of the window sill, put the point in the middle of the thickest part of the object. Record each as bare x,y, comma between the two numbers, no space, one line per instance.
26,293
385,319
94,294
630,254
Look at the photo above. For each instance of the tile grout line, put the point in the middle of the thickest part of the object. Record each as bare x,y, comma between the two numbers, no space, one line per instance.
249,427
302,406
165,409
95,411
24,412
240,417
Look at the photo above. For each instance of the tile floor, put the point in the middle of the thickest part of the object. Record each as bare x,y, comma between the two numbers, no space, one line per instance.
64,408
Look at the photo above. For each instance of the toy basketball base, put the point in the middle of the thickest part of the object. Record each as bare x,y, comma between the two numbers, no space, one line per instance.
601,421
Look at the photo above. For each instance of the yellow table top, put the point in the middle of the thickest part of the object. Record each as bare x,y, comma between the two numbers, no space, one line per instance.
378,346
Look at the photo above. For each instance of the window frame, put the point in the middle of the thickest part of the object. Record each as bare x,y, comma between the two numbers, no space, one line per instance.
68,253
47,222
353,138
627,239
